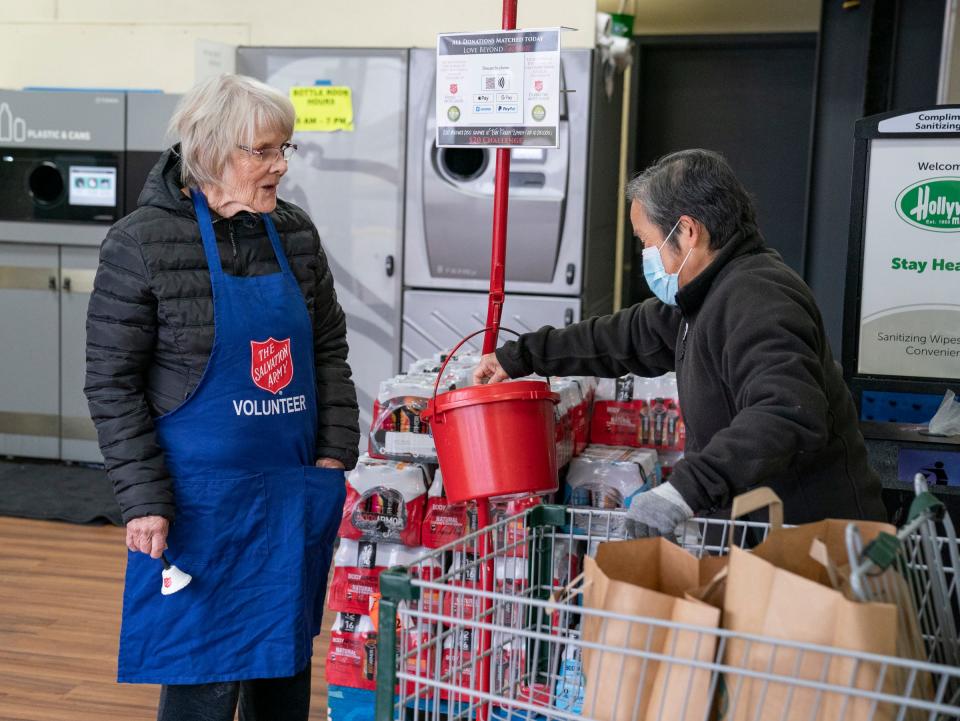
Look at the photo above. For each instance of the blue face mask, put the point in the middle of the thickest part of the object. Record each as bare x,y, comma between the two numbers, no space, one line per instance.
664,285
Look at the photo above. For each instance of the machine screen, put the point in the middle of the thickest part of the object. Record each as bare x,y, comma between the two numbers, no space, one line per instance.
91,185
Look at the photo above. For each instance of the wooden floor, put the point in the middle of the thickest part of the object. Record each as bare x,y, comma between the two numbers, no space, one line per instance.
60,594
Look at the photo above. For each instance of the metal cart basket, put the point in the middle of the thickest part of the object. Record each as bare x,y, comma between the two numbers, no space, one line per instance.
516,652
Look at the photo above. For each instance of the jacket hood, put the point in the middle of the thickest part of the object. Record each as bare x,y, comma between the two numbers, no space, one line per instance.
745,241
162,189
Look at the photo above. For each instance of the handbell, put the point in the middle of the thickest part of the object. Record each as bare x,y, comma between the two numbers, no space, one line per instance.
173,578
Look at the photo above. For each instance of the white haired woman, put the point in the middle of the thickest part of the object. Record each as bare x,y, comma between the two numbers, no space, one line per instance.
218,381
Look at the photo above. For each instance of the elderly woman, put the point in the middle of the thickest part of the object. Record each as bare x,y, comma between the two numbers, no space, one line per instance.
763,400
218,381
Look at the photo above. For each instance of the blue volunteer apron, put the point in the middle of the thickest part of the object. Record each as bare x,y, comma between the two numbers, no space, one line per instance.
255,520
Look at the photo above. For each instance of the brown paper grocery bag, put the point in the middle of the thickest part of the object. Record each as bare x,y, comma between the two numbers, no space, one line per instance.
779,590
646,578
789,548
890,587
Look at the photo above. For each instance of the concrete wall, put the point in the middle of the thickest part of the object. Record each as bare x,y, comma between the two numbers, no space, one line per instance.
150,43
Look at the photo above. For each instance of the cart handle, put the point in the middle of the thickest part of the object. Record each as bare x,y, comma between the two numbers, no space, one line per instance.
925,503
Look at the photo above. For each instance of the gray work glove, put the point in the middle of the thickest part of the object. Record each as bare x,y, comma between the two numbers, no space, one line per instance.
657,512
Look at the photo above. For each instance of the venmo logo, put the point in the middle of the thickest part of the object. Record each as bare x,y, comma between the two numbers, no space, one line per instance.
932,204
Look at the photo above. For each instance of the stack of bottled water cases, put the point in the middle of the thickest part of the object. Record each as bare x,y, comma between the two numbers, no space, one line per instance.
396,512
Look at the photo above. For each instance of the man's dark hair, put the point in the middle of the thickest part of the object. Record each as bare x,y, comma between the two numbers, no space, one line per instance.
698,183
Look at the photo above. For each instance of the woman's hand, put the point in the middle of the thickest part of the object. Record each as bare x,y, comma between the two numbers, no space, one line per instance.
148,534
489,370
330,463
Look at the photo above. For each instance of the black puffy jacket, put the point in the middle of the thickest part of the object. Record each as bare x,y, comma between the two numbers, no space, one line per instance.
150,329
762,398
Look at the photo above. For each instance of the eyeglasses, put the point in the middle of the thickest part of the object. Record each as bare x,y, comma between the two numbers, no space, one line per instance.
271,155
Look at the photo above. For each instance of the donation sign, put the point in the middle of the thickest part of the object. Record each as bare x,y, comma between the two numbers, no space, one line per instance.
910,301
499,89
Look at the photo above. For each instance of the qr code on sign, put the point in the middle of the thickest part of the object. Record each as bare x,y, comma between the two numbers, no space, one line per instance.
489,83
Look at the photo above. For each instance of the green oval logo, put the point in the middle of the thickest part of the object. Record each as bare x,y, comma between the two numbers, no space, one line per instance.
932,204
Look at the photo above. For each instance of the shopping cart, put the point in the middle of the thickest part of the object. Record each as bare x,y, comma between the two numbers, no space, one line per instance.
916,570
517,654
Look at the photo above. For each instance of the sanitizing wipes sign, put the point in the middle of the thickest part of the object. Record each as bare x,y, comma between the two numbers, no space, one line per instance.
910,302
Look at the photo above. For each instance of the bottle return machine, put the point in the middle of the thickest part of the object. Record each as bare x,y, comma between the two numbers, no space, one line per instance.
64,179
562,219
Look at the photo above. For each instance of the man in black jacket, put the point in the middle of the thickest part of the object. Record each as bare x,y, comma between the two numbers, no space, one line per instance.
763,400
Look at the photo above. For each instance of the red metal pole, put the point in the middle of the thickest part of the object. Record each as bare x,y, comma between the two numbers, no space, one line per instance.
485,650
501,199
498,258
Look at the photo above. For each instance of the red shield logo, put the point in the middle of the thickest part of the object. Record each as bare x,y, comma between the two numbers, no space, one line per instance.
271,364
167,582
454,88
538,85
